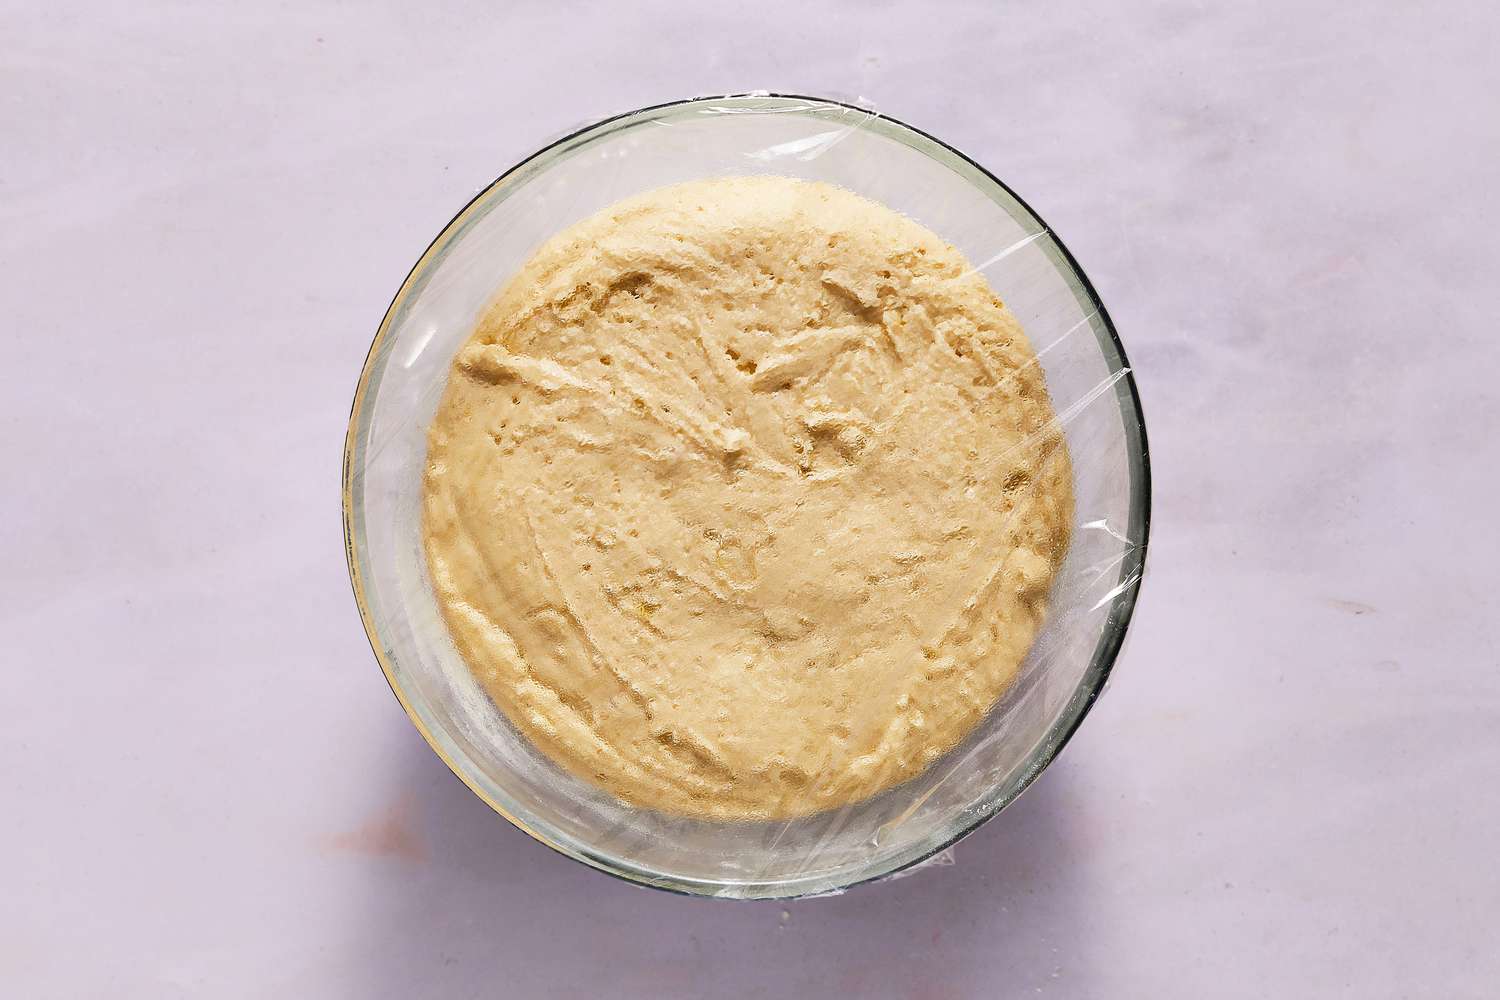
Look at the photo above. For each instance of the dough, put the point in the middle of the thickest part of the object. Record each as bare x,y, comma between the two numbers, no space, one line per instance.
744,498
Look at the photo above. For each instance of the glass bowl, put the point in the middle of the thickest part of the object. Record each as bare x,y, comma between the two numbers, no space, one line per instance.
880,158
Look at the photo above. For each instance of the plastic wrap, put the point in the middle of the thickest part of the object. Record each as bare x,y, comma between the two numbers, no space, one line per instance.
1093,396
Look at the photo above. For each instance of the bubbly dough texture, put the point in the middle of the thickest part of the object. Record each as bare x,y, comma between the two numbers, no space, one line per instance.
745,497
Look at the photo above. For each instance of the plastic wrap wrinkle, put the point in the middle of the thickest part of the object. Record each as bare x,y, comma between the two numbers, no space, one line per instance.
1020,244
942,859
811,147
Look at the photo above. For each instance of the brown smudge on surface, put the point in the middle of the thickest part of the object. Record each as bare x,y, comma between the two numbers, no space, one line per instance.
391,833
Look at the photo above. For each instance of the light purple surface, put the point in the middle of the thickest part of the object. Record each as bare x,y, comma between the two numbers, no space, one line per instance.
1292,787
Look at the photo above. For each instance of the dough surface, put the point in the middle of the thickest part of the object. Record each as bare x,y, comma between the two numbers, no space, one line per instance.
744,498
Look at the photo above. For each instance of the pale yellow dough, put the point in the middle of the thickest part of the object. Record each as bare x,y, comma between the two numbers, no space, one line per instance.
745,497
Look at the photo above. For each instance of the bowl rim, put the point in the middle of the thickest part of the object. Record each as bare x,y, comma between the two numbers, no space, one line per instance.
1082,700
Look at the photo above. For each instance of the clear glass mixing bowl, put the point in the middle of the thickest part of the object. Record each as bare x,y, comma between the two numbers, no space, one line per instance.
894,164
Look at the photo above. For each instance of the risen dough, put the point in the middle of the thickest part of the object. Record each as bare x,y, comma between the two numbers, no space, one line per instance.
745,497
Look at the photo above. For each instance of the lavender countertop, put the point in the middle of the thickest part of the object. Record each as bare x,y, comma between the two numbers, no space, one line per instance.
1292,787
